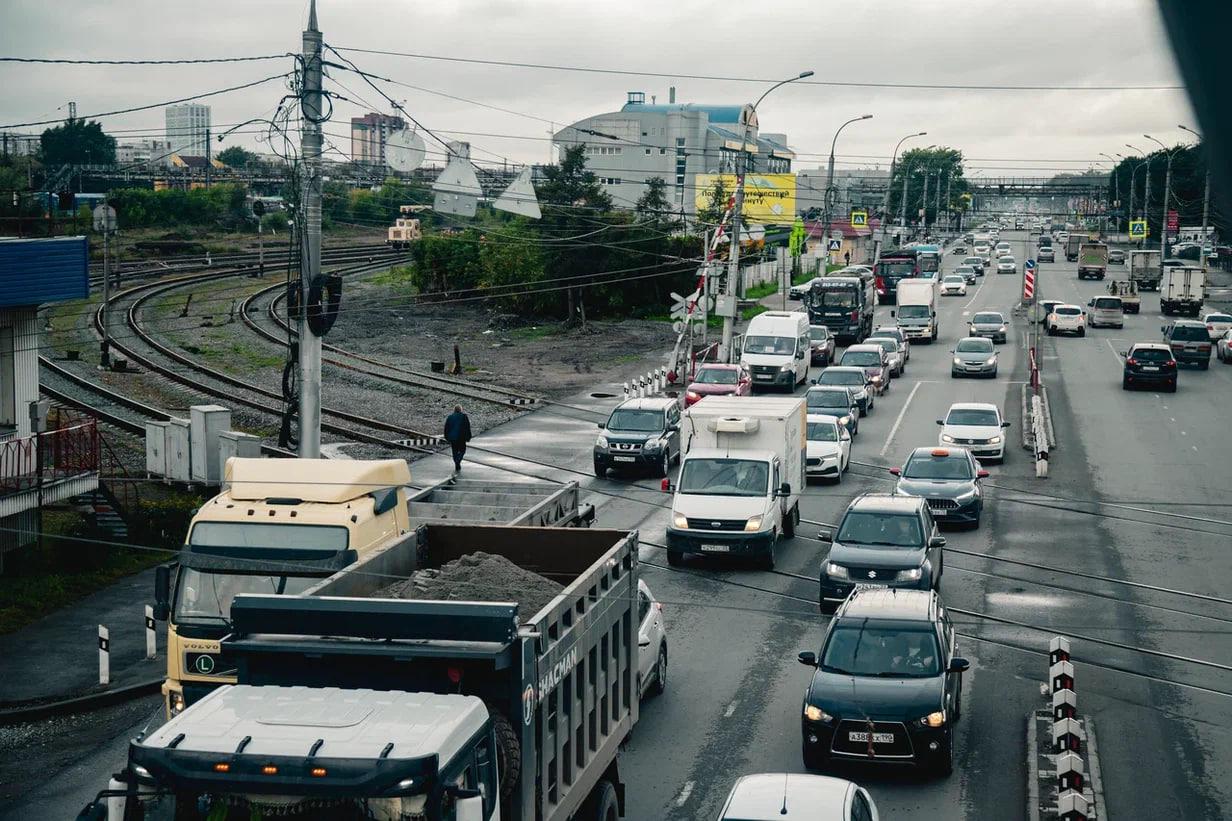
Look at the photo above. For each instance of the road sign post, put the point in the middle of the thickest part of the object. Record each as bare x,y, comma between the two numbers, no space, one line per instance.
1137,229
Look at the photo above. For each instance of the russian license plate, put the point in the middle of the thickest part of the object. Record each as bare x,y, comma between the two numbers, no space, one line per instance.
1149,368
938,511
716,548
762,376
623,458
878,738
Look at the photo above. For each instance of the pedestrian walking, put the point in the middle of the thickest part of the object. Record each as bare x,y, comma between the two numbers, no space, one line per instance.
457,434
847,257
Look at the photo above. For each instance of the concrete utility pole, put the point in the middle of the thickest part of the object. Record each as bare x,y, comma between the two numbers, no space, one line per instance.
1163,209
948,182
730,288
1206,197
1116,187
207,158
903,208
885,205
924,207
827,215
310,248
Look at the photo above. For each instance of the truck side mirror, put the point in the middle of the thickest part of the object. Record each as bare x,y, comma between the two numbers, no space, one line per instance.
892,313
162,592
602,425
785,489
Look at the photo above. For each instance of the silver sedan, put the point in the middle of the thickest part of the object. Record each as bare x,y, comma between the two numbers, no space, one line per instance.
974,356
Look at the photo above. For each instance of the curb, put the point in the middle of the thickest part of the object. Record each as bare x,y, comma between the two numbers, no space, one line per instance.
1052,436
1028,439
1026,418
79,704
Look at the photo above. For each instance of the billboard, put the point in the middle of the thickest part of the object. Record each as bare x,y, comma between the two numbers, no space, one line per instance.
768,198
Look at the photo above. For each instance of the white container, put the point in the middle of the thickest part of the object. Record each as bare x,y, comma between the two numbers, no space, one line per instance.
208,421
156,448
179,450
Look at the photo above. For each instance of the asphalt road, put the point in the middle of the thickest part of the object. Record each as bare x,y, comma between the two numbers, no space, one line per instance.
734,692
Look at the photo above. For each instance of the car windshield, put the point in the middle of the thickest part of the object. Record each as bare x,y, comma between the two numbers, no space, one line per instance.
974,346
972,261
887,345
1108,302
957,280
828,399
781,345
822,432
1190,333
896,268
818,334
1221,318
716,376
987,319
637,421
937,467
1065,310
864,359
725,477
880,529
832,377
835,297
1151,355
913,312
1007,261
972,416
864,649
891,333
207,595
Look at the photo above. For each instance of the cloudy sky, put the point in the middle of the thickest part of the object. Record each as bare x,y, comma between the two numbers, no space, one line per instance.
1043,43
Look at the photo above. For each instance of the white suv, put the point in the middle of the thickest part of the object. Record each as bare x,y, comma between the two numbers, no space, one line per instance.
976,426
1066,319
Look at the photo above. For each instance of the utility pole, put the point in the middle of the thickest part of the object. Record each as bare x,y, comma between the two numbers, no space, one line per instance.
104,356
948,182
1163,213
310,253
207,158
1206,212
1146,194
903,209
924,207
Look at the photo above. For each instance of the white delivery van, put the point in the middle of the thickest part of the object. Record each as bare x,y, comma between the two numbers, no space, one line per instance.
917,309
776,349
741,477
1182,290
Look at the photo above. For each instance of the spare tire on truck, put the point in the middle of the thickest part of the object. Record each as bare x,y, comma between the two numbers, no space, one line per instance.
508,752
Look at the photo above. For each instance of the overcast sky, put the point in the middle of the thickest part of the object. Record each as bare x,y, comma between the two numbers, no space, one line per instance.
965,42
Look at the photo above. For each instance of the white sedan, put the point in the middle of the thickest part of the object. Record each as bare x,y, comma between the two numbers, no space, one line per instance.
1223,348
1066,319
1217,324
976,426
1007,265
827,452
954,285
651,643
791,796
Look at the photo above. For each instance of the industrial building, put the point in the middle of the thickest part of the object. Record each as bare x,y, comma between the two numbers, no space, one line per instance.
369,134
188,129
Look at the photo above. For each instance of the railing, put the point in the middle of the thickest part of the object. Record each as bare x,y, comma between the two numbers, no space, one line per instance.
66,452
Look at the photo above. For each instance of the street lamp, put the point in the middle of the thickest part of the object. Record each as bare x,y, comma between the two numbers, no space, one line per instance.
1163,214
885,205
1206,196
1116,190
825,229
733,255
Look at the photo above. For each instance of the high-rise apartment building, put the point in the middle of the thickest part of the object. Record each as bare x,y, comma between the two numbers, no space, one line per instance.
188,129
369,134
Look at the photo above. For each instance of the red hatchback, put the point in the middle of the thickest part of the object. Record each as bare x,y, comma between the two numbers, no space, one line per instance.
718,380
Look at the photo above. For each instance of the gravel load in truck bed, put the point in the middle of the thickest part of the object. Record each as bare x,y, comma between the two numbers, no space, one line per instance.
478,577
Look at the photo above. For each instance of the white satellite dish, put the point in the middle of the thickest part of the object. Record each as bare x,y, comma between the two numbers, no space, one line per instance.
519,197
457,188
404,150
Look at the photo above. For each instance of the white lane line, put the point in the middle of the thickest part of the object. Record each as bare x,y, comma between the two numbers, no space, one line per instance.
1115,352
1171,418
731,709
685,793
899,420
976,295
1195,448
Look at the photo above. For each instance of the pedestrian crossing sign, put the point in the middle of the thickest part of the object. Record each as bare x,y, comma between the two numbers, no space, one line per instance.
859,219
834,244
1137,229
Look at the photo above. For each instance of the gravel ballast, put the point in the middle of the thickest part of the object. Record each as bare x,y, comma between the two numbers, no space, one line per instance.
478,577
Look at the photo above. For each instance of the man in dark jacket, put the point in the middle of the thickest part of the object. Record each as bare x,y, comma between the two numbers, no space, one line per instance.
457,434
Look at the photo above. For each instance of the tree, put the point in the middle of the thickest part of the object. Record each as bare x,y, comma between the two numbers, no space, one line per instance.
654,209
236,157
572,204
944,166
716,205
77,142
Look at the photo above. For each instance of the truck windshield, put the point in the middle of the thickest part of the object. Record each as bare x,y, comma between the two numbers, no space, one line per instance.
930,262
251,534
835,297
207,596
637,421
781,345
725,477
896,267
887,652
913,312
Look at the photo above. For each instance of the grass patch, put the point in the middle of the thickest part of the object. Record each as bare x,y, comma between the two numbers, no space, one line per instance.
400,277
753,310
536,332
761,291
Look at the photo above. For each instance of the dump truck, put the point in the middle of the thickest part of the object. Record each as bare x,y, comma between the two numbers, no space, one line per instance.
1092,260
280,525
1075,241
1144,269
353,705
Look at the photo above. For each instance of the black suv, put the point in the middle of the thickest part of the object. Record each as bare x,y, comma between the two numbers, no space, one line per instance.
1190,342
948,479
640,433
887,685
1149,363
885,540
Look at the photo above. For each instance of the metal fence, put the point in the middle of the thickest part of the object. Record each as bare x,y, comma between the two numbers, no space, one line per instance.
65,453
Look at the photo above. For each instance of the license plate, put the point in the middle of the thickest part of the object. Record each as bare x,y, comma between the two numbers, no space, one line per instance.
878,738
938,511
623,458
762,377
716,548
1149,368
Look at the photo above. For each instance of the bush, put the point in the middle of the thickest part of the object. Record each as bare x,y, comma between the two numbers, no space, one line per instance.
163,522
275,221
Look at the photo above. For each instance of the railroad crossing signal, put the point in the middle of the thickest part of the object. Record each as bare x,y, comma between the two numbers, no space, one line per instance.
1137,229
685,307
859,219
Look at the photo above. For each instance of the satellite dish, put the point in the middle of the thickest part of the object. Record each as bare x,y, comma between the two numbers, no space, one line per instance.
519,197
404,150
457,188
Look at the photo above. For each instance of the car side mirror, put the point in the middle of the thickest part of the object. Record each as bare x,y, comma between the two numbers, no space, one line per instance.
940,422
1090,303
896,471
643,641
162,592
1163,329
1124,354
982,474
1005,424
602,425
808,658
892,313
673,428
936,541
825,536
958,665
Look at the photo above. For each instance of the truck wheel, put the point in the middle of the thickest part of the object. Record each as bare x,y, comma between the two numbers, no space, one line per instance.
789,523
508,752
767,561
602,804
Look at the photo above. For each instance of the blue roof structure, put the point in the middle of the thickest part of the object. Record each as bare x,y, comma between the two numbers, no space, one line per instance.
717,113
37,271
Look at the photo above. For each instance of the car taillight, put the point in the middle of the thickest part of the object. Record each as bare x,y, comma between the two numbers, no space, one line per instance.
1171,363
880,283
1205,347
1210,327
1131,361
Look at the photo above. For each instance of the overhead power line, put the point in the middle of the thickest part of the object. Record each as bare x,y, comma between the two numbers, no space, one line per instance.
189,61
731,79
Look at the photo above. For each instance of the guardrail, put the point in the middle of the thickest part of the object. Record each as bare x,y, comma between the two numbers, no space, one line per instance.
47,457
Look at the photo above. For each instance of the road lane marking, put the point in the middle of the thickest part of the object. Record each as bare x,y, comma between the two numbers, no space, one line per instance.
1115,352
731,709
899,420
976,295
685,793
1183,433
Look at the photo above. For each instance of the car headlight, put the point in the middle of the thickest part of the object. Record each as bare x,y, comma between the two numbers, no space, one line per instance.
786,368
652,444
812,713
957,361
965,496
936,719
836,571
1001,329
844,420
692,395
911,575
996,440
753,524
680,521
992,360
177,703
945,437
601,442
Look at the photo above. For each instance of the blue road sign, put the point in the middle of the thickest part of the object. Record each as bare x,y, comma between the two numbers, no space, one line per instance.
1030,264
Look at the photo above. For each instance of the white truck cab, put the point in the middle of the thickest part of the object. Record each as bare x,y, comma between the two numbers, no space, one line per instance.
917,309
777,350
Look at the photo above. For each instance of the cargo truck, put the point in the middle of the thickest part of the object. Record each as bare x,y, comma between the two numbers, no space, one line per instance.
741,478
283,524
1073,242
1144,269
1182,290
351,705
916,314
1092,260
845,305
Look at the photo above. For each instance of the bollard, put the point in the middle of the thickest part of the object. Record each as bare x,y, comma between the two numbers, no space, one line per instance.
1072,806
104,655
626,390
151,640
1066,736
1064,704
1058,650
1070,772
1062,676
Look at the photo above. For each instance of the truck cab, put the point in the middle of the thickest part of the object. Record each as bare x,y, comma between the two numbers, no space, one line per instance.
1092,260
917,309
844,304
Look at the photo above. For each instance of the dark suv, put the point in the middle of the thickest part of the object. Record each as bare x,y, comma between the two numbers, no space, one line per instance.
884,540
1190,342
948,479
640,433
1149,363
887,685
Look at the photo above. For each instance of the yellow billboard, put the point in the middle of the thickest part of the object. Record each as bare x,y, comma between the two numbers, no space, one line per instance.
768,198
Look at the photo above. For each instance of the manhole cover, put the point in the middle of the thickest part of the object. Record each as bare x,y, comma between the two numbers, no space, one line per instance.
603,396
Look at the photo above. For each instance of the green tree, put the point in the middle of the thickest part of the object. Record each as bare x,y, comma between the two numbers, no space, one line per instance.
236,157
715,208
573,204
77,142
654,209
944,166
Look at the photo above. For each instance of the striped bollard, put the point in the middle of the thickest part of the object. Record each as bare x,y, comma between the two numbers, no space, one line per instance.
151,638
1072,806
104,655
1070,775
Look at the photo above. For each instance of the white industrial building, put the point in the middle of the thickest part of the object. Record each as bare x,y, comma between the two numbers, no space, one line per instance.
188,129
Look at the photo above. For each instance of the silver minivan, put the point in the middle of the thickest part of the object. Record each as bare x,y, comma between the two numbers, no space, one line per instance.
1106,311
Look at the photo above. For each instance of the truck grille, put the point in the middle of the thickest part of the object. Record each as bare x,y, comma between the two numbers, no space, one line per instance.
766,370
716,524
899,748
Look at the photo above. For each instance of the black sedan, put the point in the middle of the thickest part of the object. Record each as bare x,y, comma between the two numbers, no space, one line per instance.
887,684
835,401
948,479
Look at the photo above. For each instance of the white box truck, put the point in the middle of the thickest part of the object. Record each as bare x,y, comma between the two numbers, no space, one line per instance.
776,349
1144,269
1182,290
741,477
917,309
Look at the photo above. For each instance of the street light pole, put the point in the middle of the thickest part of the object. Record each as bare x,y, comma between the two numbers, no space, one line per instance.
733,255
1206,196
885,206
1163,212
829,195
1116,189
